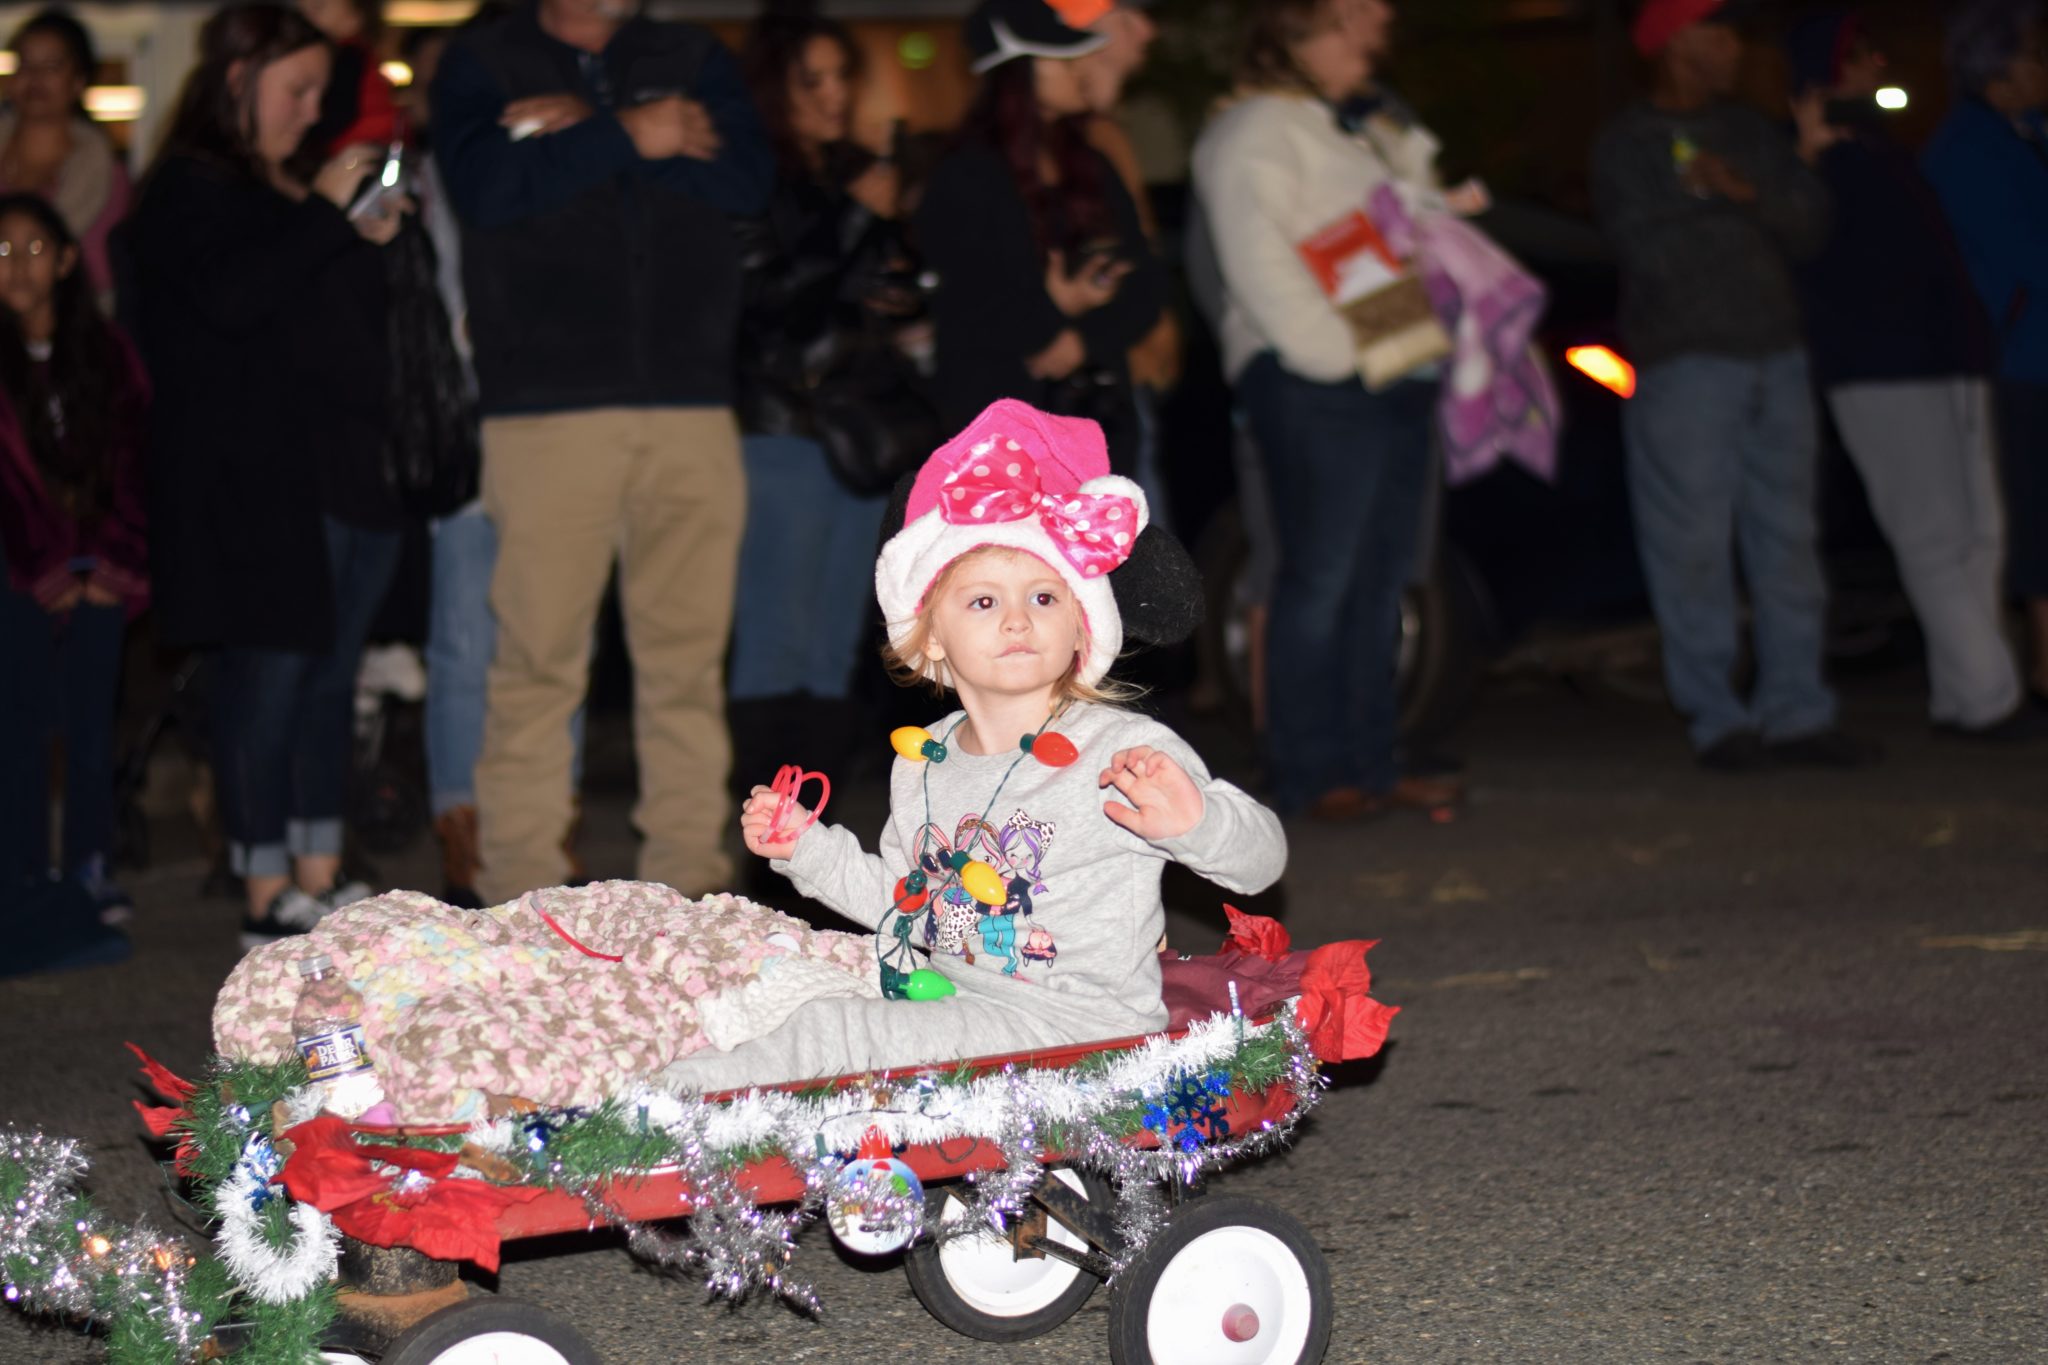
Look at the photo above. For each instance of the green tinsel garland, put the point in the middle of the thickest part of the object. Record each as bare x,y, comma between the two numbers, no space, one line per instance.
286,1333
135,1338
212,1133
614,1140
213,1128
277,1334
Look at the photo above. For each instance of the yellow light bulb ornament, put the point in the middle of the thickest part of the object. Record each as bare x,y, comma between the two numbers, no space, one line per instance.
983,883
915,743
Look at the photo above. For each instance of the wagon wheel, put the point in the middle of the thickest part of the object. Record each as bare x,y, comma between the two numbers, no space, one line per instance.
488,1331
979,1285
1230,1281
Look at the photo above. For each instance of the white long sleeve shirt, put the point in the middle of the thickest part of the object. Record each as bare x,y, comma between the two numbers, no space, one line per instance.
1272,170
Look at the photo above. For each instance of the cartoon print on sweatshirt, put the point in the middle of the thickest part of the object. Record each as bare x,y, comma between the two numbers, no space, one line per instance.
960,925
1039,947
950,917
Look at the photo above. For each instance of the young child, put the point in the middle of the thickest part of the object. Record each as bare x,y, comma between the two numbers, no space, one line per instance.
72,401
1003,585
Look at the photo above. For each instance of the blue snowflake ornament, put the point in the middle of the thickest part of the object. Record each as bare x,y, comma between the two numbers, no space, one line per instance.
1190,1113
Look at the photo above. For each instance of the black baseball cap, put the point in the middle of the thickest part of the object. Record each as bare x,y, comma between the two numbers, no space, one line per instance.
999,30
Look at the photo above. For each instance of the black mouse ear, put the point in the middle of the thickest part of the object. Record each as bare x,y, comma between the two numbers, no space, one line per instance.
1158,590
899,505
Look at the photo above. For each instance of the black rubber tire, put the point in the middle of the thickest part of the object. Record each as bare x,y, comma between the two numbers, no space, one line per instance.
1130,1296
424,1342
1446,635
1443,659
927,1276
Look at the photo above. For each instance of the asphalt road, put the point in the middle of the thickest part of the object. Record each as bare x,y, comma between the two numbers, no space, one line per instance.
1690,1068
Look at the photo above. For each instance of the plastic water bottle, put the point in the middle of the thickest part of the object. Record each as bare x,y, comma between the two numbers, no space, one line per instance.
328,1023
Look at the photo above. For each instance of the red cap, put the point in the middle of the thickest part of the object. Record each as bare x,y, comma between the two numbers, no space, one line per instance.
1659,21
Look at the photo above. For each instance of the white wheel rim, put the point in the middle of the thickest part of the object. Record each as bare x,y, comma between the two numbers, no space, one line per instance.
341,1358
501,1348
1217,1277
989,1277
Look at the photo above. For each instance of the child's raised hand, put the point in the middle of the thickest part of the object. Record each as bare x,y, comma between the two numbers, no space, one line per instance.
757,814
1167,801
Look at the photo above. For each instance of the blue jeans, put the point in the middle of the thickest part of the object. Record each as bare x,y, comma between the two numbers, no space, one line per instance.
461,634
63,675
283,727
1348,471
807,574
1721,455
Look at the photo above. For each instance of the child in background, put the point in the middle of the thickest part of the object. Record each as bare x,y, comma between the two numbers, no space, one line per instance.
72,398
1020,567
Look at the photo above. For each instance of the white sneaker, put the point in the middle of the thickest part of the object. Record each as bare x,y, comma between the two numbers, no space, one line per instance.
290,913
344,893
394,670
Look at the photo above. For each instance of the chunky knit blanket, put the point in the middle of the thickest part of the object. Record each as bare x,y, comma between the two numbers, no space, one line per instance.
561,997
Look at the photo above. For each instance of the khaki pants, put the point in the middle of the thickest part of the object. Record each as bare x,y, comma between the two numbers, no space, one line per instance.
661,490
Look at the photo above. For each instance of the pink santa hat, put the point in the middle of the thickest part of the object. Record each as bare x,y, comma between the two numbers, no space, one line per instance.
1019,479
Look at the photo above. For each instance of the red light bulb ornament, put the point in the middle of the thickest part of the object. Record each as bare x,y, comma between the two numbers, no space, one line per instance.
1052,749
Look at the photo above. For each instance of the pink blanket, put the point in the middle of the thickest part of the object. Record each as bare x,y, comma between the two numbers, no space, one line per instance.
1497,397
460,1005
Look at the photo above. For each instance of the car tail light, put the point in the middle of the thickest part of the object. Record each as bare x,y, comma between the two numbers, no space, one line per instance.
1604,368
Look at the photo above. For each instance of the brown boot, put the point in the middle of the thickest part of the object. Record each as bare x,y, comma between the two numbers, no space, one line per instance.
456,829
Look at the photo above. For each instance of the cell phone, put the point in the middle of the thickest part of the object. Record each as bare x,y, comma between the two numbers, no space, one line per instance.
387,184
1099,261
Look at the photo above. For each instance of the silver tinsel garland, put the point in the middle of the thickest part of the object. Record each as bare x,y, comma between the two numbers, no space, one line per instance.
732,1244
735,1247
59,1258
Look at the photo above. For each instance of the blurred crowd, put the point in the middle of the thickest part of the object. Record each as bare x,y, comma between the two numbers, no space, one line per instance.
1763,270
598,296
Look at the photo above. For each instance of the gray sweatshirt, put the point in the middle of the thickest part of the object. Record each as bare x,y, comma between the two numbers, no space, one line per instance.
1071,957
1705,274
1075,948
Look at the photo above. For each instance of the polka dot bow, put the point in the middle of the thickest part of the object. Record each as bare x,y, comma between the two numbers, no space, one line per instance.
997,480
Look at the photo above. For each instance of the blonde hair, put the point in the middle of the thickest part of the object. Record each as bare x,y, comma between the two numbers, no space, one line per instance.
910,666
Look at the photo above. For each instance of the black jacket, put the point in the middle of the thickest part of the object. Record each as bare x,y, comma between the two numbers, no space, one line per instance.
595,278
812,263
1888,297
261,321
991,312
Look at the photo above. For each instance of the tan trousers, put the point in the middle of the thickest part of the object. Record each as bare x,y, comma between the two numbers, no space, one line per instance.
662,491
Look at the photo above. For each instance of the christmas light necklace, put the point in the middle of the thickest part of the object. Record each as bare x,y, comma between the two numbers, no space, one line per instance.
894,958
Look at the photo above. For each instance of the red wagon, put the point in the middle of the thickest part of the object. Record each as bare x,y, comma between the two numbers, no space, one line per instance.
1228,1281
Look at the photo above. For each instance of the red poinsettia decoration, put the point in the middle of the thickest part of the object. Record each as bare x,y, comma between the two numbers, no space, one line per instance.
418,1203
1343,1022
1260,966
163,1119
1256,935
